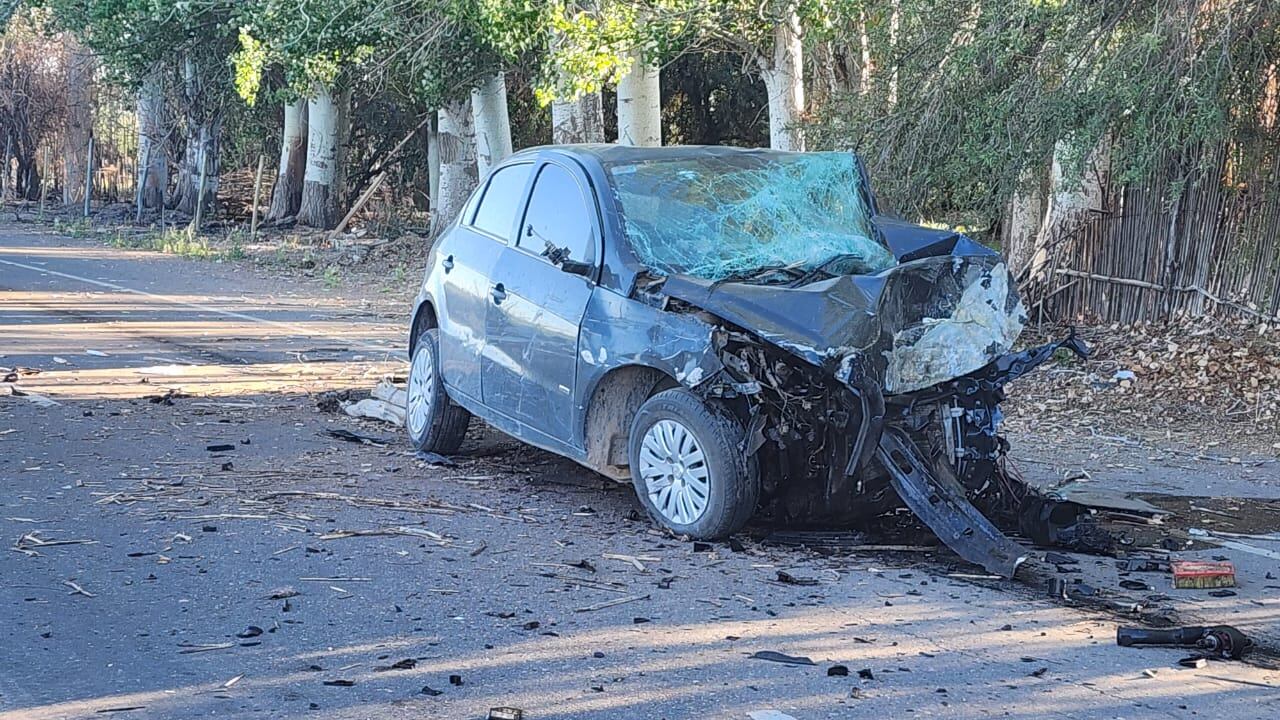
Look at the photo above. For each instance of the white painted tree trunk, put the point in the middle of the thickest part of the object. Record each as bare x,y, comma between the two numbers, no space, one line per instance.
1071,201
492,123
580,120
286,196
640,105
319,204
153,162
783,75
458,175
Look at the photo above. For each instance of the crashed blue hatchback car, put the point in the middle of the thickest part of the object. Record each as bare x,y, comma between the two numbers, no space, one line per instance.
734,332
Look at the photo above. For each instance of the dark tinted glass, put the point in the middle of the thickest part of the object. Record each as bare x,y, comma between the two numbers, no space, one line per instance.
501,201
558,214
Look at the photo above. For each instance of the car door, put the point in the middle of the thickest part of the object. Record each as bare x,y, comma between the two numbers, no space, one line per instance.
536,306
466,258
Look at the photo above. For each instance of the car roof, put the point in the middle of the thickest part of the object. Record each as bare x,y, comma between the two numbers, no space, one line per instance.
609,154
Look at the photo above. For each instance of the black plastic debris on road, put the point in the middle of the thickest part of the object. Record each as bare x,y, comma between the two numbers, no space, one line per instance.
774,656
349,436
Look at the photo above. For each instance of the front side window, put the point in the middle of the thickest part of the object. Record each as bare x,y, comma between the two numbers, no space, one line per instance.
559,217
501,200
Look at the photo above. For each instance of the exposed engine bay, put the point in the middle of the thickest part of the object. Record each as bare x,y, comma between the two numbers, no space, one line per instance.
906,411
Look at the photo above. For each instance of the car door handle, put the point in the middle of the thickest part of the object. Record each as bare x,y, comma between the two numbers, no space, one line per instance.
499,294
447,263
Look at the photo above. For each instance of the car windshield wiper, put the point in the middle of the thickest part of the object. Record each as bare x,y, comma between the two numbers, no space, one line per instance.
821,268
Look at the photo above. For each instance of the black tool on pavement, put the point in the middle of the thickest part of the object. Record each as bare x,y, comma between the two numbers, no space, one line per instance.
1222,641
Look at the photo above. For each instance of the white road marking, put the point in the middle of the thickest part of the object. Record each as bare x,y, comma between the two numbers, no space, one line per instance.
294,329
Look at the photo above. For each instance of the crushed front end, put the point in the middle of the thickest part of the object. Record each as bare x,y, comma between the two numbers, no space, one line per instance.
868,393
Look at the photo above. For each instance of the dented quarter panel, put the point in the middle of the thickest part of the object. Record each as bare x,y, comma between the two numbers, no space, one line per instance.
618,331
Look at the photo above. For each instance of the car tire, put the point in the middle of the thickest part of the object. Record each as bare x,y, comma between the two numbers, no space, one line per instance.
689,468
435,423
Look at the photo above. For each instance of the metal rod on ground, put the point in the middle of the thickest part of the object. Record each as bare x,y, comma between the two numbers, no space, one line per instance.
360,203
88,179
257,192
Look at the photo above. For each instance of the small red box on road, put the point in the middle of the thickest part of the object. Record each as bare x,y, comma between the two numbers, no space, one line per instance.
1203,574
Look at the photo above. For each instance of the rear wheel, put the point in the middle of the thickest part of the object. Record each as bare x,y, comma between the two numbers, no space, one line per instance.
688,467
435,423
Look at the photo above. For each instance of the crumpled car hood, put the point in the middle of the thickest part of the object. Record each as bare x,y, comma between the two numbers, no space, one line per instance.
912,326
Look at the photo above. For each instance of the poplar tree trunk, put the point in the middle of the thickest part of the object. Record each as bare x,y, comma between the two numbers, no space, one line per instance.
580,120
433,162
783,76
895,22
153,163
640,105
492,123
200,154
319,205
458,175
201,148
79,126
1071,202
286,196
1023,217
864,54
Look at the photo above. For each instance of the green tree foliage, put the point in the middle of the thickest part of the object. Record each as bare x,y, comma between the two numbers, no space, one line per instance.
987,89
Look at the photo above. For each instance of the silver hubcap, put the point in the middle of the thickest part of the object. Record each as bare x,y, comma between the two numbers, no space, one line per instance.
422,387
675,472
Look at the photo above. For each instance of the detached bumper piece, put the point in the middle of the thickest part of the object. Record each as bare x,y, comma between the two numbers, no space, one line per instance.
938,499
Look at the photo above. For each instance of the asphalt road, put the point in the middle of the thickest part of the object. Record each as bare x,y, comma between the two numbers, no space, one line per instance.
297,574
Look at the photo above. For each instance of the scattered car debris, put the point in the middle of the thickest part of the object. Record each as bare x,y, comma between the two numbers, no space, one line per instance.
790,578
431,458
376,409
405,664
430,691
838,671
1211,537
1195,661
167,398
36,398
349,436
340,683
250,632
774,656
506,713
769,715
220,447
1221,641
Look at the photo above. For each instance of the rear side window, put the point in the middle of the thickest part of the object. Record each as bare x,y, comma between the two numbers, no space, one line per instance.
501,200
559,213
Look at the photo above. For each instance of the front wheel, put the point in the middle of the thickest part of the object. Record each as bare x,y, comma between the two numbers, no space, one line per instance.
688,466
435,423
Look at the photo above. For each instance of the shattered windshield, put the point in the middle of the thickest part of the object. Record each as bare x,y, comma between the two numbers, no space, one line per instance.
731,216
